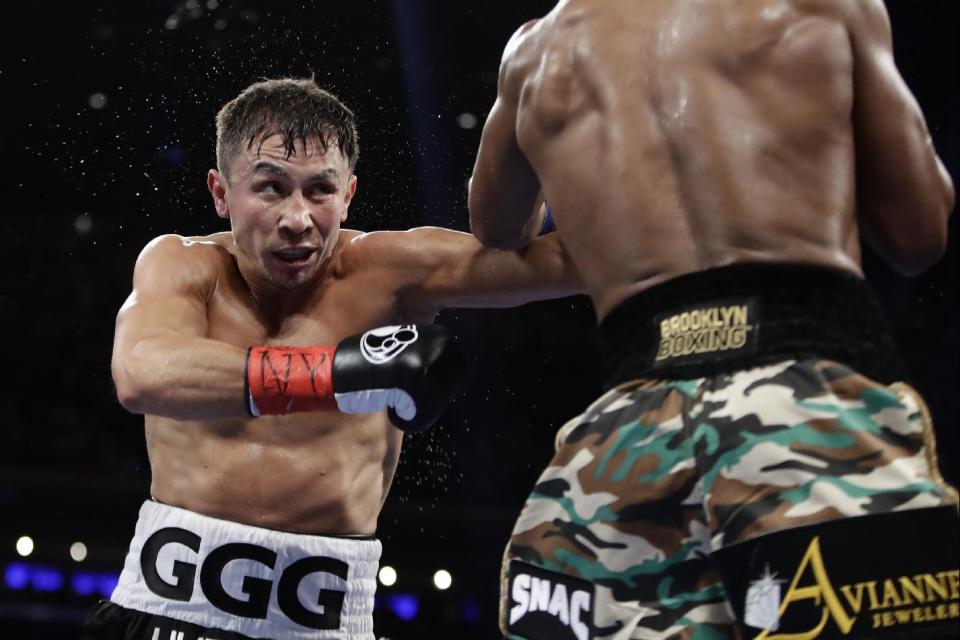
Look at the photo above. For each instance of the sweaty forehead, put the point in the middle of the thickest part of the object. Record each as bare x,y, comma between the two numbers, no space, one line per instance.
312,153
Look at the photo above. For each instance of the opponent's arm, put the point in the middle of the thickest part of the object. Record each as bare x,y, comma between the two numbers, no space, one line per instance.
435,268
504,187
904,193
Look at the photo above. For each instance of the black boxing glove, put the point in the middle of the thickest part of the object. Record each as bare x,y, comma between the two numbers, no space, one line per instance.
412,371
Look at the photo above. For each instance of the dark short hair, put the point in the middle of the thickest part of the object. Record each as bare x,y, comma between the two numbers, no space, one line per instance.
297,109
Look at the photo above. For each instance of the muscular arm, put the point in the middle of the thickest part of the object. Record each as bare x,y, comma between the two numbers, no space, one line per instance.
904,192
504,187
435,268
162,362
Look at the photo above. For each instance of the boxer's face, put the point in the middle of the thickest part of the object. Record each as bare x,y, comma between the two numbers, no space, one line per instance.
285,212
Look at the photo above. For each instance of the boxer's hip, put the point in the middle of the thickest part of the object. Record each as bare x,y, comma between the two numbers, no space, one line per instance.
212,574
744,315
659,475
742,402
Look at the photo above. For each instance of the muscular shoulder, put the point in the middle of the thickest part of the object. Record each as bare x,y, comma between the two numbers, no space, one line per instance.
522,41
195,261
192,251
519,55
866,22
855,14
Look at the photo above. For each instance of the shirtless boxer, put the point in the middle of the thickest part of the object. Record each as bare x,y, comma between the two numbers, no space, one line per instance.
711,167
270,450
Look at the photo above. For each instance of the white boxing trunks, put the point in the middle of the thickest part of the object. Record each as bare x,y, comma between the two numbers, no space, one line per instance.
220,575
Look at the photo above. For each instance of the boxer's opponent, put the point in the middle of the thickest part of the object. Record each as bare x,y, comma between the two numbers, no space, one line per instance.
271,412
711,167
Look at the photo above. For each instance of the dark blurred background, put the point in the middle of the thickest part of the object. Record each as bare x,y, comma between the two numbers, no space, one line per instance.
108,132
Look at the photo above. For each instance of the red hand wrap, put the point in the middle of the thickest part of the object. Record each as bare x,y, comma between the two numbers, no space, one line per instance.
288,379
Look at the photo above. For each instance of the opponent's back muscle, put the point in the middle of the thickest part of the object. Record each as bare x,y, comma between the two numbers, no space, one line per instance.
719,131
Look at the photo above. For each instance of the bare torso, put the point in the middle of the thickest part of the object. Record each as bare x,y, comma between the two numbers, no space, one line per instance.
309,472
733,143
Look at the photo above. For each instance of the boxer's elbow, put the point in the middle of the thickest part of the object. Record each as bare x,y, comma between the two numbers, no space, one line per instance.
928,240
916,265
501,241
489,224
926,236
909,233
491,235
917,249
502,235
948,195
132,379
129,395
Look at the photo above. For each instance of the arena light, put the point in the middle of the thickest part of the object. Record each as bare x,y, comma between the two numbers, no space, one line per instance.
97,100
46,579
467,120
404,605
83,224
87,583
106,583
442,579
84,583
387,575
78,552
43,578
16,576
25,546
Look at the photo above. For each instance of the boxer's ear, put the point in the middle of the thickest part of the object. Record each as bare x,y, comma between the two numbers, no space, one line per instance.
348,196
217,185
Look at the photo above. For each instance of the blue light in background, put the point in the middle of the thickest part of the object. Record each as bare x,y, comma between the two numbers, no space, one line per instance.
107,583
20,575
173,154
470,610
404,605
83,583
46,579
16,575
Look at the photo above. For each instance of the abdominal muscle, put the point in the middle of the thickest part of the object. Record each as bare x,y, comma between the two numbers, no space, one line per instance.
314,473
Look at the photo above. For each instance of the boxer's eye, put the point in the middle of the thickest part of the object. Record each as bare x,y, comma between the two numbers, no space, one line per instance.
269,187
321,189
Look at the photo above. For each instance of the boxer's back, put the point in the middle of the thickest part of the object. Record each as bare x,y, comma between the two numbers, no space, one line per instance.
677,135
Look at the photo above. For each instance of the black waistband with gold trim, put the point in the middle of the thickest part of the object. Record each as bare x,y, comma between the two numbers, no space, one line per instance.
744,315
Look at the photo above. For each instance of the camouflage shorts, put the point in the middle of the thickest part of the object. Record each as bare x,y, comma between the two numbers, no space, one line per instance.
656,475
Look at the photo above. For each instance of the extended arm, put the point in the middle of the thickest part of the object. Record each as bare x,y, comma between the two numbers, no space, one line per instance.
904,192
504,187
435,268
162,362
163,365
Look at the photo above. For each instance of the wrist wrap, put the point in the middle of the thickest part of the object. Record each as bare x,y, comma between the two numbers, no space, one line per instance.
283,380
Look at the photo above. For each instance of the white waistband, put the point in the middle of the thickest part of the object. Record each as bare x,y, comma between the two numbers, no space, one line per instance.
257,582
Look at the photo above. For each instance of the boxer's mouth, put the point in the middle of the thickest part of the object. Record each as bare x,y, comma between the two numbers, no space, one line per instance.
294,255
